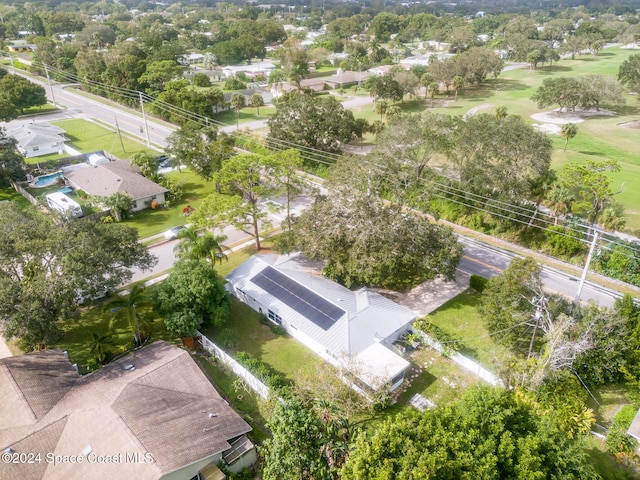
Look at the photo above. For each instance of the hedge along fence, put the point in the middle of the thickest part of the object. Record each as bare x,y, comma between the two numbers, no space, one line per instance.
236,367
449,347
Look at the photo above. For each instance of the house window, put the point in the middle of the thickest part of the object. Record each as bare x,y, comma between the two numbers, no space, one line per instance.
35,149
135,204
274,317
397,378
153,198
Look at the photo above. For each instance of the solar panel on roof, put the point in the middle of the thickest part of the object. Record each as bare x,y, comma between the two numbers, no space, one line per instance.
307,303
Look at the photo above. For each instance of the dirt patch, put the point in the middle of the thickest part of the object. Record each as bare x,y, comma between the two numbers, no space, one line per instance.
634,124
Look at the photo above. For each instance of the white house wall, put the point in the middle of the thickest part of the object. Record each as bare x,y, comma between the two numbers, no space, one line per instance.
144,203
43,150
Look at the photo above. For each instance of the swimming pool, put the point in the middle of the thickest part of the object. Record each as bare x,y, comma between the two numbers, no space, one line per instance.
46,180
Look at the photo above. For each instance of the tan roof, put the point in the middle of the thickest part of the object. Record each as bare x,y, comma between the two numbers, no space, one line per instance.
164,407
111,177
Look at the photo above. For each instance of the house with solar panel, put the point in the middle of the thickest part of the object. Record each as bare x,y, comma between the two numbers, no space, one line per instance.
349,329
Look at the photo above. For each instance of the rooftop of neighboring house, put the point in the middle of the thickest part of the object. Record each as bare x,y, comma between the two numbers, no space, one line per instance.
108,178
154,402
30,134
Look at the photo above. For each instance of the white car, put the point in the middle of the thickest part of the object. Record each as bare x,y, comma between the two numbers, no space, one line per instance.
172,233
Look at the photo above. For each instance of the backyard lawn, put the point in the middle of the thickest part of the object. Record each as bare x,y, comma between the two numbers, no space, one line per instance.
245,332
96,319
460,318
435,377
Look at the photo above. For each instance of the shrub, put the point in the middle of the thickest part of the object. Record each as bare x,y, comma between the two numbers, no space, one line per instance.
562,242
478,283
234,84
201,80
261,370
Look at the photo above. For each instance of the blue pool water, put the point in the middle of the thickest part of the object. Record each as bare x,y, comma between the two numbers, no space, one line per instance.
46,180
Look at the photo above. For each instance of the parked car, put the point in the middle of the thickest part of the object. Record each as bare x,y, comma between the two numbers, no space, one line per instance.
172,233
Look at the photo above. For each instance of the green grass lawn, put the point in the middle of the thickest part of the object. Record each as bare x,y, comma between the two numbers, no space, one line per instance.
247,333
96,319
150,222
435,377
460,318
247,114
87,137
10,195
249,405
598,138
604,463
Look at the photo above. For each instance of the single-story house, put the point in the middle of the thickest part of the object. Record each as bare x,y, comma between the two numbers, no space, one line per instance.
35,139
253,70
150,415
191,58
105,179
352,330
347,78
248,93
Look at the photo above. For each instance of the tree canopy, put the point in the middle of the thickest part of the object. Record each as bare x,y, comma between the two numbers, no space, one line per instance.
316,122
366,242
192,294
203,149
11,162
487,434
629,72
46,264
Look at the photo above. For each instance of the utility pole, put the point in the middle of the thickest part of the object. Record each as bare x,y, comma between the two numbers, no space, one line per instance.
46,71
144,117
586,266
119,134
537,316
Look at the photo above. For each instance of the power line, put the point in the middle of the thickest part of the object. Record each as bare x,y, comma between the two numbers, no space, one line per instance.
446,192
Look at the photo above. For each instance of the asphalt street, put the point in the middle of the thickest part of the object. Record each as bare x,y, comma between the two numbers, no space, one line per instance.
479,258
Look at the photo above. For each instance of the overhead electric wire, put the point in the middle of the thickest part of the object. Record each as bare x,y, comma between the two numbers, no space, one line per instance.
499,208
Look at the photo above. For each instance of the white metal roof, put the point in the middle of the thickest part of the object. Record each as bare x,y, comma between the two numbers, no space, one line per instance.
370,317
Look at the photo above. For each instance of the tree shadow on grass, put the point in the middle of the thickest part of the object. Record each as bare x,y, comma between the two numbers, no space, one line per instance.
553,70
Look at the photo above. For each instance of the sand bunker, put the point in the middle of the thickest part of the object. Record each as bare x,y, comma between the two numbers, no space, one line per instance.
634,124
560,118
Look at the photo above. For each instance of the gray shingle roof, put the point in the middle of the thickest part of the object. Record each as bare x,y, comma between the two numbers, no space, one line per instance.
109,178
161,407
36,134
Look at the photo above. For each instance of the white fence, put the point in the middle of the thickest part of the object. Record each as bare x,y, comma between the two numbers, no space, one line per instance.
219,354
466,363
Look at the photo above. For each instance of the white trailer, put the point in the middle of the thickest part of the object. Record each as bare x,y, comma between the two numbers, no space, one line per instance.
63,204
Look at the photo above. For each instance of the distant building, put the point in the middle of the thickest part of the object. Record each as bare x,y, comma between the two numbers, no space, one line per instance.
152,415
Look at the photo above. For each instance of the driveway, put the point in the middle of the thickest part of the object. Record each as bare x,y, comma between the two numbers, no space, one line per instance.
428,296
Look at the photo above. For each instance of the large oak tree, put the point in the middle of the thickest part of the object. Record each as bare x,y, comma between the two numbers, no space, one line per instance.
46,263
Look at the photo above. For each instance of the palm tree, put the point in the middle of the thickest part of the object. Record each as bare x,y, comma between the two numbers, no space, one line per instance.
501,112
433,88
458,84
425,80
568,131
210,246
120,204
128,308
195,245
238,101
381,107
188,239
257,101
98,346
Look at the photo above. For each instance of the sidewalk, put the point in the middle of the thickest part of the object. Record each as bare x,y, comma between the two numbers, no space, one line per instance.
4,350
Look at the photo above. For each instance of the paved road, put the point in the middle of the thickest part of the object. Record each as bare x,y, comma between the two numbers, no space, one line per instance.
79,106
166,256
484,260
479,259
